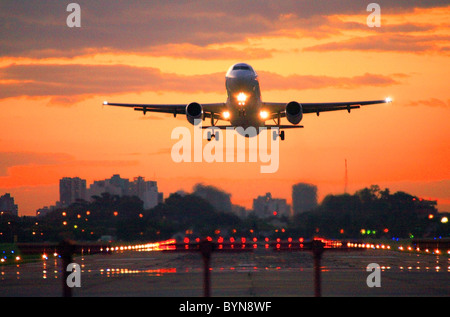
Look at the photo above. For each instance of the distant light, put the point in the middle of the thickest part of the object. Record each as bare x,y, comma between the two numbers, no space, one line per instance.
226,115
388,100
444,220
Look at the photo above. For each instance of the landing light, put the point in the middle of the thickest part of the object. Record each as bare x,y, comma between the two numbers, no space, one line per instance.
264,114
105,102
241,98
226,115
388,100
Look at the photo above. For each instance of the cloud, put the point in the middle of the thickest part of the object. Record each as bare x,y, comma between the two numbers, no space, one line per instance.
18,169
38,29
432,102
68,83
386,43
10,159
191,51
274,81
72,83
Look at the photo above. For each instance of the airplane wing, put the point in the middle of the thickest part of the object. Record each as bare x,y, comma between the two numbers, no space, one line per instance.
278,109
174,109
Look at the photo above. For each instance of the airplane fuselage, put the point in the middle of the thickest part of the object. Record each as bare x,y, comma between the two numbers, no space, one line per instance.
244,96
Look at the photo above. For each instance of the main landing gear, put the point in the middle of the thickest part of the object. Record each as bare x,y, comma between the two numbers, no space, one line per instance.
215,135
211,135
278,134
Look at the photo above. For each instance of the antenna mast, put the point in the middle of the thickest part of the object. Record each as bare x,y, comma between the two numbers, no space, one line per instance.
346,178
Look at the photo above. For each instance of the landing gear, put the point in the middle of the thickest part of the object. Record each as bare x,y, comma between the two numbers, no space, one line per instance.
211,135
280,134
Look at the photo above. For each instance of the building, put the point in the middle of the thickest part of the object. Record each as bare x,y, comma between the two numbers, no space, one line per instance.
7,205
71,190
97,188
304,197
41,212
147,191
266,206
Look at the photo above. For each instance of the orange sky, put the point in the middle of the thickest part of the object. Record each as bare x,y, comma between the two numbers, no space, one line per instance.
53,80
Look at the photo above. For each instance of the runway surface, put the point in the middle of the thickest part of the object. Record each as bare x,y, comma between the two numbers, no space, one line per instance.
261,273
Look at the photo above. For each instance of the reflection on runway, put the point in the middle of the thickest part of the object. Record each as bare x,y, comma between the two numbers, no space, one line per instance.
150,271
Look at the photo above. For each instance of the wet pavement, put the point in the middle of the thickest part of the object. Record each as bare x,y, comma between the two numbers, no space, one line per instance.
260,273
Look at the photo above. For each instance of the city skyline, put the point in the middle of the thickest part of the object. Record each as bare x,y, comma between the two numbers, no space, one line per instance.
72,189
54,79
303,196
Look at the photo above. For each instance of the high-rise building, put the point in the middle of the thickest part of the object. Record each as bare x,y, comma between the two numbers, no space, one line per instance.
266,206
147,191
113,186
7,205
304,197
71,189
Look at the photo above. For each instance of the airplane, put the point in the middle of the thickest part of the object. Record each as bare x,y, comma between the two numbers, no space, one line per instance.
245,108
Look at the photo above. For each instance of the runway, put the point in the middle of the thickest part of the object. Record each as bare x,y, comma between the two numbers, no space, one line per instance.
261,273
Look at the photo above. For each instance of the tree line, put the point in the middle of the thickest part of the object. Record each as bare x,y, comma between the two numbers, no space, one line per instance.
369,212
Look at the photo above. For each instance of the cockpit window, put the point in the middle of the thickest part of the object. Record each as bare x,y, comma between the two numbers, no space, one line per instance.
241,67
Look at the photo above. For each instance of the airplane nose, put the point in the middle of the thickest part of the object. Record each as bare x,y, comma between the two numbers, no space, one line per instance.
241,83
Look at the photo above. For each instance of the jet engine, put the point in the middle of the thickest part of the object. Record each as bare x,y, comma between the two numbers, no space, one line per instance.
194,111
294,112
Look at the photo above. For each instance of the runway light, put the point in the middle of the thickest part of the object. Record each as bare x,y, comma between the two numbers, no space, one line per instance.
444,220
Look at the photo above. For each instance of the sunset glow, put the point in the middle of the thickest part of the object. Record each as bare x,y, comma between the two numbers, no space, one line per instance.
54,81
